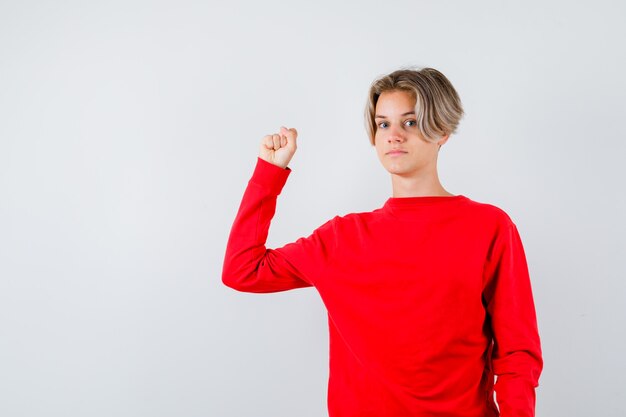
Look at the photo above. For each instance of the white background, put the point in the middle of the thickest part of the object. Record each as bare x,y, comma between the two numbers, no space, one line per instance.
128,132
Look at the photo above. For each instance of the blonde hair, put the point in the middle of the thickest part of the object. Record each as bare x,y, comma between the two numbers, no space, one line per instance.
438,108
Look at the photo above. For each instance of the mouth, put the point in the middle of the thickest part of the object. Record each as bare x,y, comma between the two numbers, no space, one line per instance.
396,152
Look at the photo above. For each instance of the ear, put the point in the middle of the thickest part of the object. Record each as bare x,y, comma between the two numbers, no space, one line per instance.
443,140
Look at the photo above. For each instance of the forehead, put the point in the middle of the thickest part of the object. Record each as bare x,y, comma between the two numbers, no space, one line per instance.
395,101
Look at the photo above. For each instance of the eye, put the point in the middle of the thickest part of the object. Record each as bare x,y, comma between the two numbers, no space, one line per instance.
410,123
382,124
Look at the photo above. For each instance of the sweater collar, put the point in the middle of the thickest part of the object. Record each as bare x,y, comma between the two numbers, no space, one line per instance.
407,206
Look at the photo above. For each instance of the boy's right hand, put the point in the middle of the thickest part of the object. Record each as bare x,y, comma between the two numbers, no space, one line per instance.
278,149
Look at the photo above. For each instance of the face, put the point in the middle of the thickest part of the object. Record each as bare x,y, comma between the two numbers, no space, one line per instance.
400,147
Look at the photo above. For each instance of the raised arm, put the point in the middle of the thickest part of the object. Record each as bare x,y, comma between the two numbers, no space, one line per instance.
248,265
517,357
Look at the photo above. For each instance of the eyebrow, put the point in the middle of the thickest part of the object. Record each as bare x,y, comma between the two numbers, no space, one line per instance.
380,116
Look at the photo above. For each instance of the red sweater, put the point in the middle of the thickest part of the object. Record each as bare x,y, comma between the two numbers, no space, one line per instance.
427,297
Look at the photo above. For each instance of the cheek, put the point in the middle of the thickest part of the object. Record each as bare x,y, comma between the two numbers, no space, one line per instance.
379,151
379,139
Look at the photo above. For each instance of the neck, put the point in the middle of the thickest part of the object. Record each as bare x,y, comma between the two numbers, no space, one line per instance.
418,186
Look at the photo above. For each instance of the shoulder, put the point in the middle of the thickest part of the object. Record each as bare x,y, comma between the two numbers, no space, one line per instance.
350,223
358,218
489,213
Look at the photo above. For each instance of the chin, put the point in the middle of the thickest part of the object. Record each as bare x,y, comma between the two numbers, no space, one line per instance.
402,170
395,168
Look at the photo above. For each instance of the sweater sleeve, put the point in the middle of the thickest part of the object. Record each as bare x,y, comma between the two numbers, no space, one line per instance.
517,358
251,267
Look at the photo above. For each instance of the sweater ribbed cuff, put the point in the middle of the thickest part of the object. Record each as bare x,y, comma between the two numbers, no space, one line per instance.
270,176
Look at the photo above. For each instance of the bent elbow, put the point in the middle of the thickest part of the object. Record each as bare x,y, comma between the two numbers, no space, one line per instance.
233,280
241,281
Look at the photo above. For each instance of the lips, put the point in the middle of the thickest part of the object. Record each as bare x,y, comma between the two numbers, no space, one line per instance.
396,152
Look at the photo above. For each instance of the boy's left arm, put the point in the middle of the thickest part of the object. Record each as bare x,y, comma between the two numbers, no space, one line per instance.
517,356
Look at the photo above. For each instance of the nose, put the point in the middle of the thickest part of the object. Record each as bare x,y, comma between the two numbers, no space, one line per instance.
395,133
395,136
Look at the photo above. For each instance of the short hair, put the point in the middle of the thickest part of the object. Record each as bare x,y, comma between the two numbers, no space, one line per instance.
438,108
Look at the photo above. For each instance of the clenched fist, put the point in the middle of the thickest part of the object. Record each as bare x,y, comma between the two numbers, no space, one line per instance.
278,149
